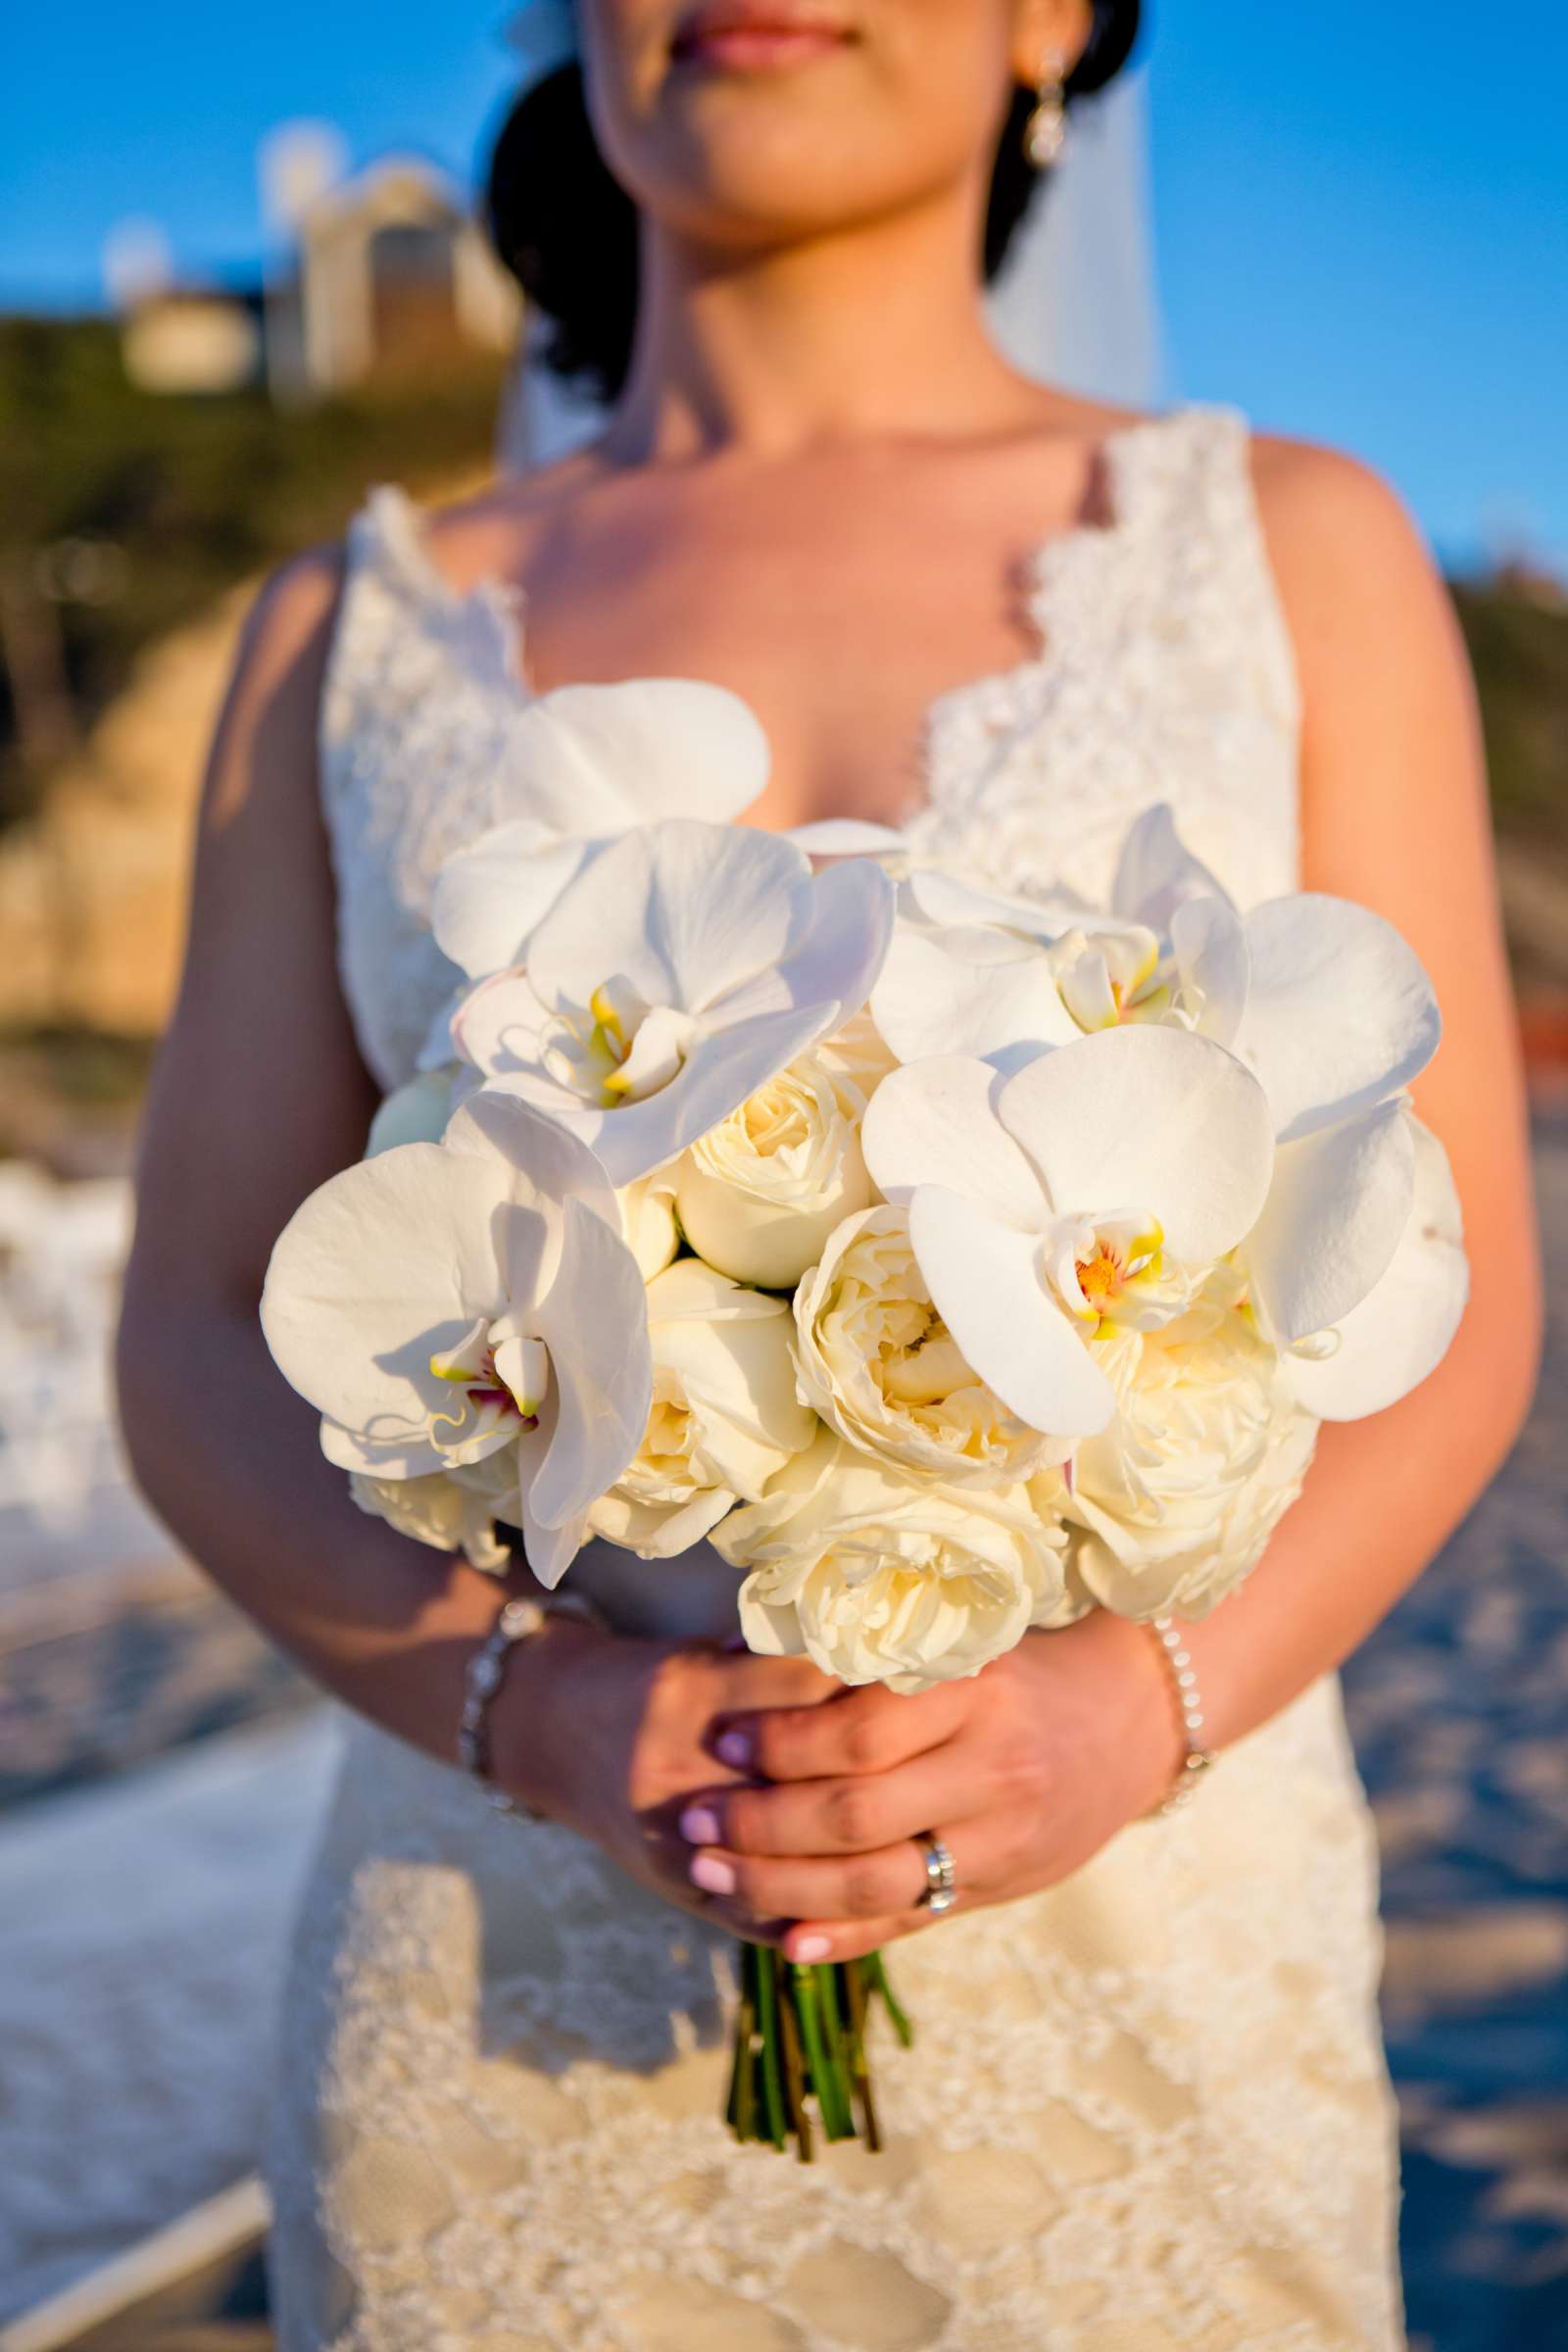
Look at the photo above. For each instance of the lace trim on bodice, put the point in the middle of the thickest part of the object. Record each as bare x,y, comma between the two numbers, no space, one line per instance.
1162,669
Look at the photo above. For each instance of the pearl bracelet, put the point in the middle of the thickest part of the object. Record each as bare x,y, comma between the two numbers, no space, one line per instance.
521,1617
1199,1759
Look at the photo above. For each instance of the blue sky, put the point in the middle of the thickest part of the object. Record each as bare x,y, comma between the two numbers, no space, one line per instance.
1362,211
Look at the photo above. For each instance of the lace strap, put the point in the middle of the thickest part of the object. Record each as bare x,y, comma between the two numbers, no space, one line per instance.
1195,514
394,592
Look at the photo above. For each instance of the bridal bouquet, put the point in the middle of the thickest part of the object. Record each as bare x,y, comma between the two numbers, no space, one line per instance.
953,1262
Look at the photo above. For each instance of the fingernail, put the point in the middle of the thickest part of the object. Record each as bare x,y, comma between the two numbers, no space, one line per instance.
700,1827
810,1947
706,1870
736,1642
735,1747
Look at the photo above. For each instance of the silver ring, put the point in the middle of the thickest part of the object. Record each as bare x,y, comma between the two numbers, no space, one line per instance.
941,1891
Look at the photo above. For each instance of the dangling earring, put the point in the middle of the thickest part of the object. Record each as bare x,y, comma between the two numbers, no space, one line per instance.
1044,133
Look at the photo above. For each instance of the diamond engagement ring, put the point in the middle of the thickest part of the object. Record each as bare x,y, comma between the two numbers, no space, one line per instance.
941,1891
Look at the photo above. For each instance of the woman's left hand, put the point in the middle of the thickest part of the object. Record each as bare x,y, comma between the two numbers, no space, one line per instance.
1024,1771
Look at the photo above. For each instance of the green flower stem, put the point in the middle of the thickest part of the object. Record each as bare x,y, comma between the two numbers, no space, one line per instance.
801,2036
768,2005
855,1983
901,2024
794,2079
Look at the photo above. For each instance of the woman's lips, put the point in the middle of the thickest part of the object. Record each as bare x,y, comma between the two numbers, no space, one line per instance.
750,39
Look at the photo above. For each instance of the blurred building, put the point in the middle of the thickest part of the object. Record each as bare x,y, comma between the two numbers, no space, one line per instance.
387,271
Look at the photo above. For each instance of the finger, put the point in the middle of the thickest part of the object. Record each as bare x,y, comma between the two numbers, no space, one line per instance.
850,1887
745,1682
851,1815
831,1939
864,1729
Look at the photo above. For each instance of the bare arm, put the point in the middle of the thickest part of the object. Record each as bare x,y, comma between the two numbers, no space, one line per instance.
1394,815
258,1095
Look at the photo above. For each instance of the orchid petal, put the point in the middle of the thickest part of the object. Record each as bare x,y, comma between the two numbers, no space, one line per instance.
1339,1200
681,911
1151,1119
933,1122
840,957
598,758
595,1323
1403,1328
387,1456
490,897
1210,942
1339,1011
951,901
847,837
968,992
384,1265
1157,872
523,1140
985,1284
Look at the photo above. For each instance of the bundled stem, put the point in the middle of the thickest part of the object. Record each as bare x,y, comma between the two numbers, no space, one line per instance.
801,2058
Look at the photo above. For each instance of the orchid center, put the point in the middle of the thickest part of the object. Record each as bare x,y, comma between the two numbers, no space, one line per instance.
1104,1269
500,1375
1108,977
625,1048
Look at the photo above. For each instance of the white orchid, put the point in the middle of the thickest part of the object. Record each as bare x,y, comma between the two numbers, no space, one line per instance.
1087,1191
683,968
585,764
465,1302
1400,1329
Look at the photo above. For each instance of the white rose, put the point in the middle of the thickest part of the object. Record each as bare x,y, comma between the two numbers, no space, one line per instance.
724,1417
878,1578
879,1363
648,1223
454,1510
759,1194
1178,1496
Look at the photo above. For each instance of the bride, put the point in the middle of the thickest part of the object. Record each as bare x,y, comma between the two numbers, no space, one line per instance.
1146,2106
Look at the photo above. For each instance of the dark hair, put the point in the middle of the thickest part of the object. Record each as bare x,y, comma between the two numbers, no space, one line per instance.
568,230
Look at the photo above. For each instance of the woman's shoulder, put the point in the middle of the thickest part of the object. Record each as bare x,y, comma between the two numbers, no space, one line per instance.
1334,524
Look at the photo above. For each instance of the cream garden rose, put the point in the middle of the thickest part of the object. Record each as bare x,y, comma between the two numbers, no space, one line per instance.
759,1195
454,1510
1179,1494
724,1414
877,1361
880,1577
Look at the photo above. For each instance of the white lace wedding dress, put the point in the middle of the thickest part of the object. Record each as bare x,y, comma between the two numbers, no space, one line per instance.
1145,2110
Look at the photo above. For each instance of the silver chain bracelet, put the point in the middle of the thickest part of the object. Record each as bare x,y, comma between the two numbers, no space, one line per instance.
1199,1759
520,1618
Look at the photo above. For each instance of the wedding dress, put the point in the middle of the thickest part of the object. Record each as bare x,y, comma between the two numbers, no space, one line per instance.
1145,2110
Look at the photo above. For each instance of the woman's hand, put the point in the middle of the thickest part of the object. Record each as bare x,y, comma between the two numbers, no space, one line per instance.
615,1735
1024,1770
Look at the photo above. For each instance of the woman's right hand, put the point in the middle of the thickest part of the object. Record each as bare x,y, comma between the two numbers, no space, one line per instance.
614,1734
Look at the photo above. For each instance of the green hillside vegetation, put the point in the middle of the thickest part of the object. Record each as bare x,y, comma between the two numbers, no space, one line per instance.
182,497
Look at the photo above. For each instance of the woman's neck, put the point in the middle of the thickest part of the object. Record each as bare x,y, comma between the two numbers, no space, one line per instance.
872,332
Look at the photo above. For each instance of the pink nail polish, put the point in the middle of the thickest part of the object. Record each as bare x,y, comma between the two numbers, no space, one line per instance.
706,1870
810,1947
735,1747
700,1827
